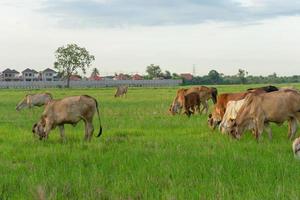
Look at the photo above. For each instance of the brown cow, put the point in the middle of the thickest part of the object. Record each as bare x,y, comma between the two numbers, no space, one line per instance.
205,93
121,90
219,109
260,109
191,101
215,118
69,110
31,100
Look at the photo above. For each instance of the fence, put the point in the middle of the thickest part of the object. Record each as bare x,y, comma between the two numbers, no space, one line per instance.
88,84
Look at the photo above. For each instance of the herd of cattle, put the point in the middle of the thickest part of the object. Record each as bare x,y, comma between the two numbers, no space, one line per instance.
232,113
254,109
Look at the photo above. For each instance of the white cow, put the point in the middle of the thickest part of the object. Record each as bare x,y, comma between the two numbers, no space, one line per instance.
232,109
31,100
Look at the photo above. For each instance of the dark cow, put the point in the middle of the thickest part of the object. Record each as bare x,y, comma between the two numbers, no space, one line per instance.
269,88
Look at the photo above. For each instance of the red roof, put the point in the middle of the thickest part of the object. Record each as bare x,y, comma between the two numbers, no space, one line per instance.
187,76
137,77
75,78
95,78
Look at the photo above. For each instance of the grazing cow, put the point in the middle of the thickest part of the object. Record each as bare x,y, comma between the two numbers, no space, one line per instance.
215,118
69,110
205,93
269,88
121,90
31,100
232,109
191,101
296,147
219,109
178,102
260,109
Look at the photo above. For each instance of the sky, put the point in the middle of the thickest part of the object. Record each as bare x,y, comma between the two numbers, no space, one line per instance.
125,36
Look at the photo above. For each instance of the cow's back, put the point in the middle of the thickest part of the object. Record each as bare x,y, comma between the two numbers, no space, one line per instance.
70,109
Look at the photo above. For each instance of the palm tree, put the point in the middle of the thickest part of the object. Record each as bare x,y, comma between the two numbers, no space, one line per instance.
95,72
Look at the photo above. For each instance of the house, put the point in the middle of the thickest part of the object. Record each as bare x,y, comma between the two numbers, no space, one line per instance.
122,77
75,77
10,75
48,75
137,77
95,78
30,75
187,76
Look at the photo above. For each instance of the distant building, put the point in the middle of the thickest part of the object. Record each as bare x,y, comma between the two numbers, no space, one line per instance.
137,77
95,78
122,77
48,75
75,77
187,76
10,75
30,75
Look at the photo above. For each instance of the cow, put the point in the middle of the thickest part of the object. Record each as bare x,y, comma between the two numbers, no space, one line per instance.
69,110
232,110
205,93
191,102
31,100
269,88
296,147
178,101
261,109
121,91
215,118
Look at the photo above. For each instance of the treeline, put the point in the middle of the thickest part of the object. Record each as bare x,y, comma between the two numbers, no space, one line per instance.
215,78
242,77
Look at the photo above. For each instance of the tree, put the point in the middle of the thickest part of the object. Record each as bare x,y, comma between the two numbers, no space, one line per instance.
71,58
242,75
214,76
95,72
153,71
175,76
167,75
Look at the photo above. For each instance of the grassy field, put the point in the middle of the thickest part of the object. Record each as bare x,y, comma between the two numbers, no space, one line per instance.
144,153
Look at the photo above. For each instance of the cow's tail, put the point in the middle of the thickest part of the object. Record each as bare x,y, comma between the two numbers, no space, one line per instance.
97,108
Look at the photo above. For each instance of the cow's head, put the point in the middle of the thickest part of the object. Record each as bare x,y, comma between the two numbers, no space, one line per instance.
214,119
236,130
38,128
174,108
22,104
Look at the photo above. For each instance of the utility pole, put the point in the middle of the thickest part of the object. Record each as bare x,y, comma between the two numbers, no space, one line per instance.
194,69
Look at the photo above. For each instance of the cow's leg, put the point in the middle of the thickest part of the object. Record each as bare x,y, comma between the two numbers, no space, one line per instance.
47,130
62,132
205,106
259,128
269,130
292,128
89,129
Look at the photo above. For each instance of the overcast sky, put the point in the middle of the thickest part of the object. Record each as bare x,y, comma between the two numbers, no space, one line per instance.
261,36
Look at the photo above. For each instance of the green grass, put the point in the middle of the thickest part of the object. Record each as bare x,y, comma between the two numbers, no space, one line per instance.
144,153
